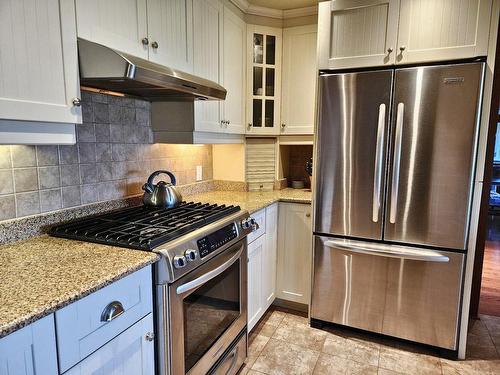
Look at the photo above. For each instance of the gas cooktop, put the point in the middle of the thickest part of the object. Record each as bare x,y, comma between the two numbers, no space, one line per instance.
142,227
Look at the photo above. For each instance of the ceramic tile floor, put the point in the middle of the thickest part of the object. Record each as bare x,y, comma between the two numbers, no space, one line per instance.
283,343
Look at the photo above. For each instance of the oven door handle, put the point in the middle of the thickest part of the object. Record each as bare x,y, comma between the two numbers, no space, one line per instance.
193,284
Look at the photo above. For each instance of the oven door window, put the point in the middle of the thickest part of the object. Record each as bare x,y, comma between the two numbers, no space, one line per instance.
209,311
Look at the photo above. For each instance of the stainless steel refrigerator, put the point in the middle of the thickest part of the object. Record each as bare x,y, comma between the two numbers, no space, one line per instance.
396,153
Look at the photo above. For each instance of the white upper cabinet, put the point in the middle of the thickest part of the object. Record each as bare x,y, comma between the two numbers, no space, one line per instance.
233,77
119,24
298,98
263,80
30,350
207,19
170,30
357,33
442,30
38,62
363,33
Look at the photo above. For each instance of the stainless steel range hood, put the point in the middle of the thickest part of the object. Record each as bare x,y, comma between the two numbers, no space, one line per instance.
104,68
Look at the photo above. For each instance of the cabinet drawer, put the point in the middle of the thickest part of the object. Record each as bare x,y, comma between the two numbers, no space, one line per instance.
260,218
83,327
130,353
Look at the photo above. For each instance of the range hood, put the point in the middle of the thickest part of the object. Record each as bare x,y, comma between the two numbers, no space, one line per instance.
107,69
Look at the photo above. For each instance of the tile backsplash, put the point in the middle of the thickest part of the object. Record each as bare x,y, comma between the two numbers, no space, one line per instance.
112,158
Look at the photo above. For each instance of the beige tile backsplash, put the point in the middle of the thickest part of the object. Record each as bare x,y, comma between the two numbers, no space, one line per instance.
113,156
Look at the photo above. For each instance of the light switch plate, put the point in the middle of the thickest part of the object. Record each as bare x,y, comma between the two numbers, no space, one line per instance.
199,173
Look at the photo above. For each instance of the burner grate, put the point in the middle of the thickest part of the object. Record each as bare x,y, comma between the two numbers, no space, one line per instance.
142,227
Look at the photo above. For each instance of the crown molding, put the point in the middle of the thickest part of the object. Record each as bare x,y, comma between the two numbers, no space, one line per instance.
256,10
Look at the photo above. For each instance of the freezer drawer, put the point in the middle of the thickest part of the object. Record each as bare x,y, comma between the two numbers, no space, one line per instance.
348,288
422,300
401,291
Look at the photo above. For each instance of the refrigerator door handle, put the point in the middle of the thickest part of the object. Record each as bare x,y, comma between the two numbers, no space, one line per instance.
379,162
389,251
397,163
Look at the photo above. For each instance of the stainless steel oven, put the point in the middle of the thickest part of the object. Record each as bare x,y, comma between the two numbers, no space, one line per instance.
204,314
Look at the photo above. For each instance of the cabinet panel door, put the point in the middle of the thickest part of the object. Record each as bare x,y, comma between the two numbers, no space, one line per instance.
30,350
130,353
170,25
442,30
119,24
255,308
357,33
294,252
233,67
38,62
207,20
269,256
299,80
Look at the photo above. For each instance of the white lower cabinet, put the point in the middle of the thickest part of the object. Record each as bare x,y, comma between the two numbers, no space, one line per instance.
269,256
30,350
255,306
294,252
130,353
262,264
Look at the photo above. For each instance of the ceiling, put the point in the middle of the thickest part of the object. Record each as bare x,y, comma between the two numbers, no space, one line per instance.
284,4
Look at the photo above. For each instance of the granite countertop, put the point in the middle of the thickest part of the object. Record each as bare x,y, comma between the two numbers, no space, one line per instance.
43,274
252,201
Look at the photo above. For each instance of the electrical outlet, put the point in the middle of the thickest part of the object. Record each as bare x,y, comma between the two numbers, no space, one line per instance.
199,173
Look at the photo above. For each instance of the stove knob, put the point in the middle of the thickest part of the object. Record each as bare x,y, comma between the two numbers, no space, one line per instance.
191,255
179,261
244,224
254,224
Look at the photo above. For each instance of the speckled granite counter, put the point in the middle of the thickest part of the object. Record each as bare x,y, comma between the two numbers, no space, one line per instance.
43,274
252,201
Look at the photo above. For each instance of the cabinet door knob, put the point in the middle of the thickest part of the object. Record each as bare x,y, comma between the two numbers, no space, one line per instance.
150,336
249,126
154,45
308,215
145,41
77,102
283,126
402,48
390,49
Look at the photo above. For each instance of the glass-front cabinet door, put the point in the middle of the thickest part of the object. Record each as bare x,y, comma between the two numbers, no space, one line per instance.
264,80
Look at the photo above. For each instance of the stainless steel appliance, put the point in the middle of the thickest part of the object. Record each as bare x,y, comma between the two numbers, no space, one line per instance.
201,279
105,68
395,162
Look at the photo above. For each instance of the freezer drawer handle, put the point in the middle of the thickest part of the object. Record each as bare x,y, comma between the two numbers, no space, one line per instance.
390,251
193,284
397,163
379,160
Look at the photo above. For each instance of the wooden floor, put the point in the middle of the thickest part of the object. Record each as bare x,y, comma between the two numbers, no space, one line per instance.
490,285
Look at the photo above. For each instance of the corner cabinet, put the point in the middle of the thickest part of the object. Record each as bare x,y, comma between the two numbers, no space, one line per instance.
300,75
363,33
294,253
263,80
39,65
30,350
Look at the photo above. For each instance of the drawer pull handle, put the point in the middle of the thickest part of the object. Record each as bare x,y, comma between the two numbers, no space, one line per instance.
150,336
112,311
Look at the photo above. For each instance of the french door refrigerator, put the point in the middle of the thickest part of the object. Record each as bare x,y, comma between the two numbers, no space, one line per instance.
395,163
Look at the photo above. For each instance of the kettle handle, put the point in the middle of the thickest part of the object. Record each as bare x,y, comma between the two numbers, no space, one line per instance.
154,174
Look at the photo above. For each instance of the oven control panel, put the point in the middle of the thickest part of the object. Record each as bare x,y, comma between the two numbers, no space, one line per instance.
213,241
